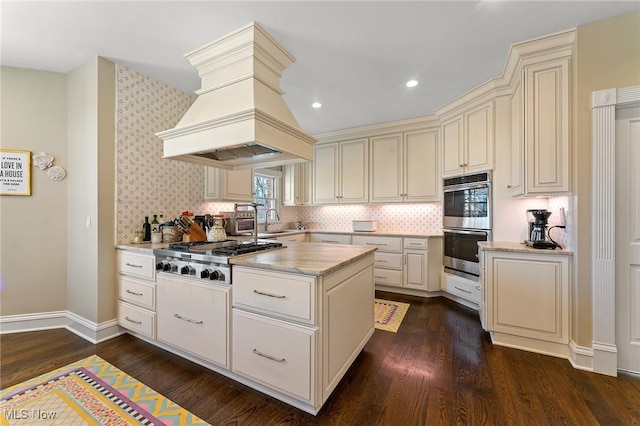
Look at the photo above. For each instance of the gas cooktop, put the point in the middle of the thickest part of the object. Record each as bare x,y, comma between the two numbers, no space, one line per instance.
223,248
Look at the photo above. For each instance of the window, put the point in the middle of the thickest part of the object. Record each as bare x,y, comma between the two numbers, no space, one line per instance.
266,190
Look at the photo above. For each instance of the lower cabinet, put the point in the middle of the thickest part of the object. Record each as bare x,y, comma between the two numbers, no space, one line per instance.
194,317
276,353
527,295
136,292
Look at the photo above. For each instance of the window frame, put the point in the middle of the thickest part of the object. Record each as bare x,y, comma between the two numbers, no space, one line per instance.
277,190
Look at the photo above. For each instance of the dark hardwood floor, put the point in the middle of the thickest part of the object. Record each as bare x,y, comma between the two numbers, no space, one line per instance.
439,369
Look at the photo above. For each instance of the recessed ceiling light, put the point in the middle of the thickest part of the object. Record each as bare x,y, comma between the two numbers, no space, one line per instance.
316,105
412,83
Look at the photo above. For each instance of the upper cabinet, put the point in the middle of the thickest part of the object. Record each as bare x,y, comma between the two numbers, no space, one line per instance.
468,140
404,167
540,117
228,185
341,173
296,190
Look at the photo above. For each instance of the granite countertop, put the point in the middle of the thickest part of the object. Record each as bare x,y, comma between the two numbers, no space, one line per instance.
304,258
519,248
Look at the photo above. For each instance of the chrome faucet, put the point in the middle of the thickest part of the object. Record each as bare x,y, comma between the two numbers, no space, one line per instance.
266,218
255,218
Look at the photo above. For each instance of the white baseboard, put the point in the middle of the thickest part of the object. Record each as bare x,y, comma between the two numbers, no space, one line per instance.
581,357
88,330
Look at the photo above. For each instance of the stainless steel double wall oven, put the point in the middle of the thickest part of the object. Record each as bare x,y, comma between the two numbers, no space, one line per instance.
466,221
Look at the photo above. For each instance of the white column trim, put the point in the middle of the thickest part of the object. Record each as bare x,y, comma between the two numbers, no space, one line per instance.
603,185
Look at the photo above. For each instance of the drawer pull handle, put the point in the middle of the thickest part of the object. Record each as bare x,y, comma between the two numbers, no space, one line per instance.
132,265
461,289
188,319
134,293
330,241
380,277
376,244
272,358
415,244
133,321
269,294
381,261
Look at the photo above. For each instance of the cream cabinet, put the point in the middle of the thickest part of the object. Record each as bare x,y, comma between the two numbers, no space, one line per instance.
468,140
194,317
404,167
527,295
295,237
541,118
388,262
296,184
228,185
296,335
341,172
137,292
329,238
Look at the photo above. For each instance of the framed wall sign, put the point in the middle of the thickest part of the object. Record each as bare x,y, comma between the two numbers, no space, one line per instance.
15,172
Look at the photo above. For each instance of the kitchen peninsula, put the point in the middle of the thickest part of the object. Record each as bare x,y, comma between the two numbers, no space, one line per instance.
290,324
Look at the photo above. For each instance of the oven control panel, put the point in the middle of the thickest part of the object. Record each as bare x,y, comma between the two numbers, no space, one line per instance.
204,271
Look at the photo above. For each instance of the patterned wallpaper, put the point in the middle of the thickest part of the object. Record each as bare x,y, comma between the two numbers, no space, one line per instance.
147,184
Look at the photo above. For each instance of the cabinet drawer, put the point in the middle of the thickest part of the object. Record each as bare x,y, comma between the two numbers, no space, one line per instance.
194,318
461,287
388,260
277,354
416,243
294,237
137,292
387,277
136,264
330,238
279,294
137,319
390,244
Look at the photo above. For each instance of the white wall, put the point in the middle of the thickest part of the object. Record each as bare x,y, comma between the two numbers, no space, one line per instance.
33,229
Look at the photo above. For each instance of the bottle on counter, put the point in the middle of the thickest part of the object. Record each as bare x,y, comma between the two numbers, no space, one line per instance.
156,235
146,227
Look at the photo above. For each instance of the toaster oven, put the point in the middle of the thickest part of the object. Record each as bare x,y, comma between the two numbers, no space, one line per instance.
240,222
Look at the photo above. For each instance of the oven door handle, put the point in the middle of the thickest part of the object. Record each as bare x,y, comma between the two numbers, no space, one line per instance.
459,231
464,187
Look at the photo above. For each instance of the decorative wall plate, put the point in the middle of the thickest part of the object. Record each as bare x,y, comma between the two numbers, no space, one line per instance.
56,173
42,160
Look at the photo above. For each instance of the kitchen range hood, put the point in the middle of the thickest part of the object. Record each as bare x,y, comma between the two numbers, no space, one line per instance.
239,119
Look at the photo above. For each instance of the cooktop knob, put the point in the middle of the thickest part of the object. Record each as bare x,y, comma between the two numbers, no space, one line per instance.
215,275
168,267
187,270
160,265
210,273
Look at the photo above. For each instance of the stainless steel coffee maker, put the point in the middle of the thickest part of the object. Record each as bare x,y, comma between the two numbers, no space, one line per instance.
538,233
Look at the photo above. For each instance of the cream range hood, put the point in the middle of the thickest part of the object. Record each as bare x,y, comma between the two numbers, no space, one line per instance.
240,119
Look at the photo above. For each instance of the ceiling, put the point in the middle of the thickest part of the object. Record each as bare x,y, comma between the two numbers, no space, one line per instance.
352,56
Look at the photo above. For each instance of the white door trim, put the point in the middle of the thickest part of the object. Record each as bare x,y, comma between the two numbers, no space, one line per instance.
603,105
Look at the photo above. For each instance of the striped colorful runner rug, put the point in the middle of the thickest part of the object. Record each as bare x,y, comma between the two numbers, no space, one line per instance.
89,392
389,315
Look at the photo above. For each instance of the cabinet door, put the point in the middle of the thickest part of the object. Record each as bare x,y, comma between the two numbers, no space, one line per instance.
547,126
212,184
194,318
528,295
354,171
289,184
416,269
422,180
305,183
452,149
516,185
479,138
386,180
238,185
325,173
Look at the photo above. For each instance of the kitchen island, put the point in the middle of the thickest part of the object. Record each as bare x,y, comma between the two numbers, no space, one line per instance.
296,318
